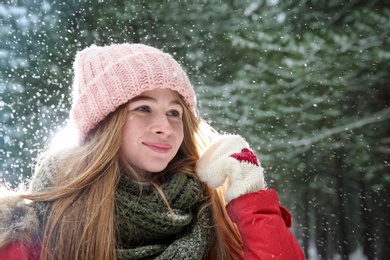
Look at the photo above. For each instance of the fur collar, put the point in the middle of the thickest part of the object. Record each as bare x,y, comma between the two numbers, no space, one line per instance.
18,219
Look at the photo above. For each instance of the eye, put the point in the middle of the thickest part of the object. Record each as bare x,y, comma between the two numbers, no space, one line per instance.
143,109
174,113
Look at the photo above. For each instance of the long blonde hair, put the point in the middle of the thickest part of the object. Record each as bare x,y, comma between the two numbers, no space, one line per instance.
80,221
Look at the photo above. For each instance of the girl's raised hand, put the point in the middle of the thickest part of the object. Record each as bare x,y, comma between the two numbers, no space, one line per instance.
230,157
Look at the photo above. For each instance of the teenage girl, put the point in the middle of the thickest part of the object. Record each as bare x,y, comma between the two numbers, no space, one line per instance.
146,179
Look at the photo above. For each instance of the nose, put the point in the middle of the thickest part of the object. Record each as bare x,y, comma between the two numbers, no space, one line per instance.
162,125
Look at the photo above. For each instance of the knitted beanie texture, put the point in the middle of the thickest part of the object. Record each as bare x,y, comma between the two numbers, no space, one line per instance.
107,77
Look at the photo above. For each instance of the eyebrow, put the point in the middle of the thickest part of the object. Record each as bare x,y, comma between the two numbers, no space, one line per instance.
148,98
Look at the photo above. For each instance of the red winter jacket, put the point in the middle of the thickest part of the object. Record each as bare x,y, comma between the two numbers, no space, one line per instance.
18,251
263,225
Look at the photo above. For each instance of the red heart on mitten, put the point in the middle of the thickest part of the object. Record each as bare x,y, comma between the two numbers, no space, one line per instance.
246,155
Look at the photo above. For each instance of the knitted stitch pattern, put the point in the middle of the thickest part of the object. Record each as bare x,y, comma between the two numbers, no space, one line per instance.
109,76
146,220
145,227
229,157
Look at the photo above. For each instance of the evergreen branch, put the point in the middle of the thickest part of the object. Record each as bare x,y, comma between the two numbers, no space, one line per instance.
375,118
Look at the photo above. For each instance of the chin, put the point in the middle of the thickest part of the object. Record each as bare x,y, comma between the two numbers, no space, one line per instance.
156,169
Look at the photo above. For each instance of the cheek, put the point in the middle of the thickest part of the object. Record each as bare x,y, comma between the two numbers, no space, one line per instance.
179,131
132,125
180,140
129,129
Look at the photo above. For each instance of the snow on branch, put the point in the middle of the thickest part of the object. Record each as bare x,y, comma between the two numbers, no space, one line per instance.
375,118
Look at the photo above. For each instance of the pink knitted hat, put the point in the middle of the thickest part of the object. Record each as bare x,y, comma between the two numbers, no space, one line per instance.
107,77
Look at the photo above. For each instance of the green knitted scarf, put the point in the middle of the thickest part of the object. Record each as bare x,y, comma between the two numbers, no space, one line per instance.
146,229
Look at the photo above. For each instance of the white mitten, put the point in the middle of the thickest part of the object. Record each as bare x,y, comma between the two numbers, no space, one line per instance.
230,157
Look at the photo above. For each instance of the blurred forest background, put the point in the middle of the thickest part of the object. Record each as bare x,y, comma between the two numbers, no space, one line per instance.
307,83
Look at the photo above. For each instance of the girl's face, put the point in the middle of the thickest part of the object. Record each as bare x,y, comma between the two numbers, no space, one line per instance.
153,131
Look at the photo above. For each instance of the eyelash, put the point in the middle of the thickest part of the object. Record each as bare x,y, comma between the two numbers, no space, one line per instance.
143,109
147,109
176,112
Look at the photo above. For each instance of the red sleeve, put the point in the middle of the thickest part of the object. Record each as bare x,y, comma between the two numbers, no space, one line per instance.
19,251
263,225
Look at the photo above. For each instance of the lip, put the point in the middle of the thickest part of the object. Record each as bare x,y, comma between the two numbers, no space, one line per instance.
158,146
